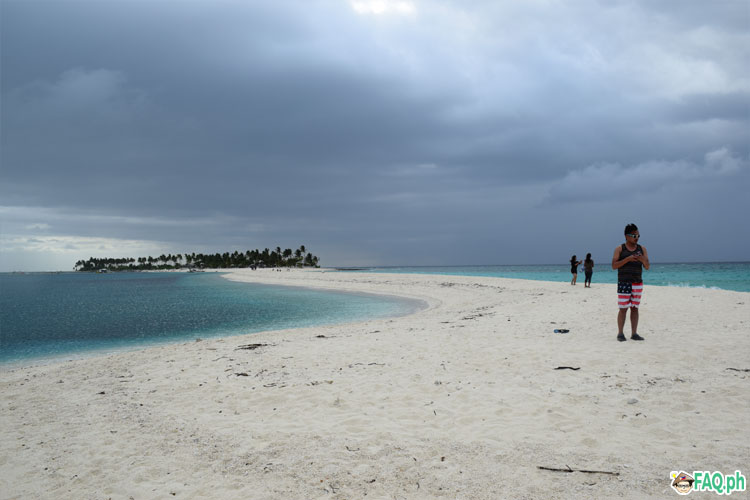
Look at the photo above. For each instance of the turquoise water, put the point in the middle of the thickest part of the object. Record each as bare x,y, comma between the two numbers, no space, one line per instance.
51,315
720,275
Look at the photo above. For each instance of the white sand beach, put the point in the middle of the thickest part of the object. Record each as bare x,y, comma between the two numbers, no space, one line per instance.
459,400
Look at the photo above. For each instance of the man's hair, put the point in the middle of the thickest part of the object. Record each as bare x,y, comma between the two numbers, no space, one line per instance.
630,228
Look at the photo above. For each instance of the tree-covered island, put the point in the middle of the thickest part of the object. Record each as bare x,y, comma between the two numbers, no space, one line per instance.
251,258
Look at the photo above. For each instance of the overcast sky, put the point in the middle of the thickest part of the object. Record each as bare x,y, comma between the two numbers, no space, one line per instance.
374,132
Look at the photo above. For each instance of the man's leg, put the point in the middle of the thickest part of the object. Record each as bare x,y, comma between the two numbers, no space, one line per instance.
621,320
633,320
634,324
621,324
635,302
624,301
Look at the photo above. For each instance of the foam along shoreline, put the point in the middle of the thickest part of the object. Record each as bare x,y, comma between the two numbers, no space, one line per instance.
461,399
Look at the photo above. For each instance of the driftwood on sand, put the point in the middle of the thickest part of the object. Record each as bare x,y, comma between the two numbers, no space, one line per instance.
554,469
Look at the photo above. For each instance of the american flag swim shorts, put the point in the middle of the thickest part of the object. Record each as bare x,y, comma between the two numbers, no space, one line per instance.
629,294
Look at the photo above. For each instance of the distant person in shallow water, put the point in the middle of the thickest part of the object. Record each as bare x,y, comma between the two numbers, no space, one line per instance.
629,259
574,269
588,269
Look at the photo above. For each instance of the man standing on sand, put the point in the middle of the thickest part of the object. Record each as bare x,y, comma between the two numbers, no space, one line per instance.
630,258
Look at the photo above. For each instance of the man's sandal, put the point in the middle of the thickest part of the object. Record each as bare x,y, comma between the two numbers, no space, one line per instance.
621,337
635,336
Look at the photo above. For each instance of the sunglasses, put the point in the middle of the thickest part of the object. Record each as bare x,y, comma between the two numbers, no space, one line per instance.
634,235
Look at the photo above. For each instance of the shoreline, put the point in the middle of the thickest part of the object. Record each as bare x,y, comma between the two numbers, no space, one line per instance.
655,277
414,305
462,399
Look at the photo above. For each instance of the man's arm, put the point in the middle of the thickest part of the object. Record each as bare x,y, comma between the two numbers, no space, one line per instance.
644,258
616,258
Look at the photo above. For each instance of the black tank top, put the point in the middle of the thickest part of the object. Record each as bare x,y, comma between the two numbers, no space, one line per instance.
632,271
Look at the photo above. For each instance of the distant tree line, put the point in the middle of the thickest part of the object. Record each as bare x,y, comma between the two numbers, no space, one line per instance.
251,258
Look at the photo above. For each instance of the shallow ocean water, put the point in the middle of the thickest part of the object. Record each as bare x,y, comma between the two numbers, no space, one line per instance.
52,315
721,275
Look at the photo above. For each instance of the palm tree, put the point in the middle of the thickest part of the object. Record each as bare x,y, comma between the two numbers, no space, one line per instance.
266,258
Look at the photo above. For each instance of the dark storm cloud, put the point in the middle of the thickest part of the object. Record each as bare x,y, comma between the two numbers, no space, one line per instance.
733,107
203,123
250,122
603,182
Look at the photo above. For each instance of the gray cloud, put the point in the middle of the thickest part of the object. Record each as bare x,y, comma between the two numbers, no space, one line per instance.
603,182
366,135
